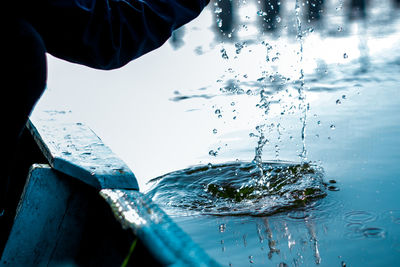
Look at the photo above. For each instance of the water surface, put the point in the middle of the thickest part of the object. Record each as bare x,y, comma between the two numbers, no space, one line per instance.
163,116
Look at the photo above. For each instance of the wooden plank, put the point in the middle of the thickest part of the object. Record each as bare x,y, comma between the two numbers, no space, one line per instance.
165,240
63,222
74,149
41,213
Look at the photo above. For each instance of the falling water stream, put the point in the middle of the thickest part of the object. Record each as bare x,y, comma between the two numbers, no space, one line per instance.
302,95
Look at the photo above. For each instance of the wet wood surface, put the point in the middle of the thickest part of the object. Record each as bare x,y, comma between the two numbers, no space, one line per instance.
74,149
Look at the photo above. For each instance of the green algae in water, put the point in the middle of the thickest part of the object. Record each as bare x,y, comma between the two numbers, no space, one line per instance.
239,188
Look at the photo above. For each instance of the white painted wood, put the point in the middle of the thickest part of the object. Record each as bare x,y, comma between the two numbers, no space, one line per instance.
74,149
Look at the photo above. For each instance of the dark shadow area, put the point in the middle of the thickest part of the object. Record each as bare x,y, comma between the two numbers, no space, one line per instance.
104,242
176,39
27,153
224,18
270,15
357,9
315,9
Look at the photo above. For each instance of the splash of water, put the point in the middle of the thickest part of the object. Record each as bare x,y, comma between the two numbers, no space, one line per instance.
261,129
235,188
265,102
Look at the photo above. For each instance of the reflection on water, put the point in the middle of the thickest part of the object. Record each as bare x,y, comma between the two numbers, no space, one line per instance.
228,19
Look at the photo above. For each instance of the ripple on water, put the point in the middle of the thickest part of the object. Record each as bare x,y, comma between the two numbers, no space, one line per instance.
374,232
318,211
357,227
394,216
359,216
298,215
239,188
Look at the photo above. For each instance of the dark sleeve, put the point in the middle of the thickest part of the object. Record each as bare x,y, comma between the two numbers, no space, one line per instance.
107,34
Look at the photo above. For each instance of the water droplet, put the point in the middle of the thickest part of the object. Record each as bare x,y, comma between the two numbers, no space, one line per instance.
217,111
343,96
319,122
345,55
212,153
217,10
340,28
333,188
249,92
261,13
215,131
232,103
338,102
219,22
239,47
333,127
251,259
224,55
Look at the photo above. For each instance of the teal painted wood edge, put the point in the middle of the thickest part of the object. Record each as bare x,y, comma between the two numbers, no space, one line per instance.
74,149
165,240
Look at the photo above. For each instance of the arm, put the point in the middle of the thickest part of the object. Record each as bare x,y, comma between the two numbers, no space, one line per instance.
107,34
